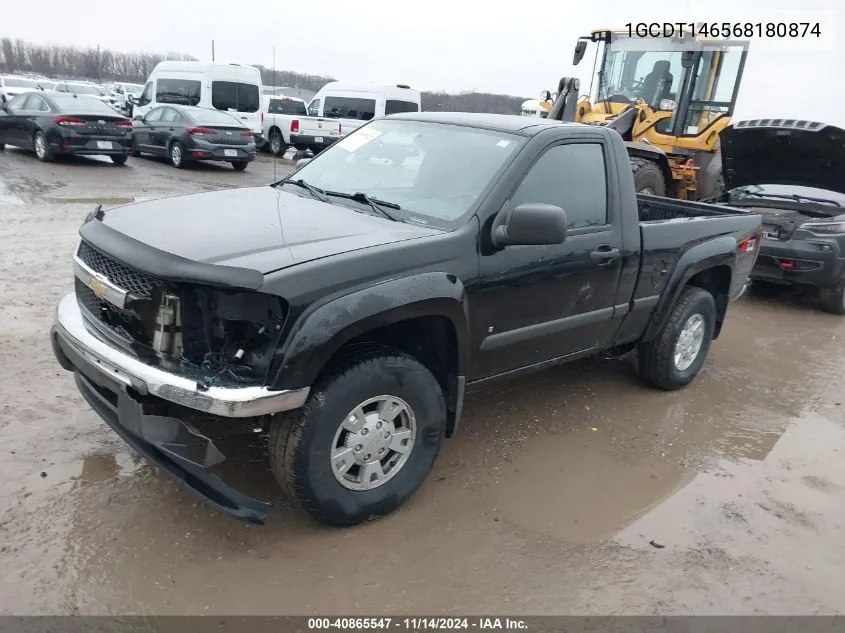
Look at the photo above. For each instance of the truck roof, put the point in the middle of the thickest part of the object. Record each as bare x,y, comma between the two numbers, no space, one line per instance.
499,122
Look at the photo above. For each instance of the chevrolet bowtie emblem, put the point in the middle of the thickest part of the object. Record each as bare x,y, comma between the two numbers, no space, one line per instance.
98,287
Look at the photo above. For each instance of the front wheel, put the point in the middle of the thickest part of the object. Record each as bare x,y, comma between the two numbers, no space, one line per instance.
239,165
365,440
832,298
119,159
675,356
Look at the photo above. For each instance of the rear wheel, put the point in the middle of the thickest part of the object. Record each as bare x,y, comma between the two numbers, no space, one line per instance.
648,177
365,440
119,159
2,147
239,165
177,155
675,356
277,143
42,149
832,298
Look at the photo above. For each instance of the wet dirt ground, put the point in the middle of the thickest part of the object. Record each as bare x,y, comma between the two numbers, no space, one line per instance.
577,490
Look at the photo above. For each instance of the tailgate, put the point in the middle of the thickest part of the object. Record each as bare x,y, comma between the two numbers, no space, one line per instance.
319,126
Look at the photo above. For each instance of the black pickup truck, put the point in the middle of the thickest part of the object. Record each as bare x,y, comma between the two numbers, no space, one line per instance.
345,310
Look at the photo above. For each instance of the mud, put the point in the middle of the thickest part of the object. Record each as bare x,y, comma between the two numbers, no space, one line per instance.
576,490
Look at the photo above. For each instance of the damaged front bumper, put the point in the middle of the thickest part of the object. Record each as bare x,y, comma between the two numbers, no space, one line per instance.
114,384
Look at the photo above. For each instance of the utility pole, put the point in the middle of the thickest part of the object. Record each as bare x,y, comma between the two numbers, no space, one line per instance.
99,65
212,50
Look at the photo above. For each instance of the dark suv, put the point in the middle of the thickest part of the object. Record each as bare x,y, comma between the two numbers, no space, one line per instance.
791,172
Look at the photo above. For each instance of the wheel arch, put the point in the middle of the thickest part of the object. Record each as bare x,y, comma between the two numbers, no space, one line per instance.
423,316
708,266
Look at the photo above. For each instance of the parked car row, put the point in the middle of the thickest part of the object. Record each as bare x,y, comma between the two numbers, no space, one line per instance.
278,122
52,124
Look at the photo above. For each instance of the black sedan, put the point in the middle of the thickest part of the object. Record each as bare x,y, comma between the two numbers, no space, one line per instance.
52,124
186,133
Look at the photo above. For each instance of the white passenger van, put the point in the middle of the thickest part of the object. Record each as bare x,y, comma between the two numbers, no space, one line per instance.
233,88
356,103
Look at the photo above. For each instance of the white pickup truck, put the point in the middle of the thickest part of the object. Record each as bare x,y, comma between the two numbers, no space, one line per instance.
286,124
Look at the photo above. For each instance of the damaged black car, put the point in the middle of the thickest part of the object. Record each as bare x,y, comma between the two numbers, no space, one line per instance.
791,172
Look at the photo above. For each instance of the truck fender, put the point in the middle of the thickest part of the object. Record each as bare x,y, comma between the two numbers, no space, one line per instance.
322,330
720,251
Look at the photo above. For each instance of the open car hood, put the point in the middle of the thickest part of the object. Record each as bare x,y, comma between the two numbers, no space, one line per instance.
783,152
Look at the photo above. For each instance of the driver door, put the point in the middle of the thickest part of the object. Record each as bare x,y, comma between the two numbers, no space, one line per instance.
533,304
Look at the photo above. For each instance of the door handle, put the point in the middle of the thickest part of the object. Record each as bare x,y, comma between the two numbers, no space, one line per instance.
604,255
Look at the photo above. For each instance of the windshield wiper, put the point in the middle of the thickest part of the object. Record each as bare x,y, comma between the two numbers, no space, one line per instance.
375,204
317,193
793,196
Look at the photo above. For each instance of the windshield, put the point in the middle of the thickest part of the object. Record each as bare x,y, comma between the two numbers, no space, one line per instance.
630,73
19,82
435,172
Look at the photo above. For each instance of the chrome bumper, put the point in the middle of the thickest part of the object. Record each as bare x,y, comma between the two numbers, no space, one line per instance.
69,330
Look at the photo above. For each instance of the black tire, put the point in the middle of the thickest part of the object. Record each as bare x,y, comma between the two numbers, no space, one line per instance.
277,145
119,159
176,153
832,298
648,177
133,150
301,442
2,147
656,359
240,165
41,147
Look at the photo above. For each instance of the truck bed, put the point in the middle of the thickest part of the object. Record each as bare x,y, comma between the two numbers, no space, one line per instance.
659,209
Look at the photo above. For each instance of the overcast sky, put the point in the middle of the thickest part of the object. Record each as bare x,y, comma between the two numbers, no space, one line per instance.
512,47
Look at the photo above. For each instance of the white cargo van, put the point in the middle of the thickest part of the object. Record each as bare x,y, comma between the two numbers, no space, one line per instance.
356,103
233,88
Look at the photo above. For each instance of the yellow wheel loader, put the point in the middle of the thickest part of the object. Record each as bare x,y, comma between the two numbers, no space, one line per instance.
669,98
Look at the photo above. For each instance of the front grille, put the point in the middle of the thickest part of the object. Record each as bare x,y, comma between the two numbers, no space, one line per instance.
103,311
137,283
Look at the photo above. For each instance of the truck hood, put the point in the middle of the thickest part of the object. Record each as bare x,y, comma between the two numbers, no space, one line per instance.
259,228
783,152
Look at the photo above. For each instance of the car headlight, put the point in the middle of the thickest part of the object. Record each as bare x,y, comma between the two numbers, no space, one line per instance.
824,228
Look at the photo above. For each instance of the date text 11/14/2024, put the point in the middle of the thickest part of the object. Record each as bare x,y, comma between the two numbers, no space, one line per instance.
418,624
736,30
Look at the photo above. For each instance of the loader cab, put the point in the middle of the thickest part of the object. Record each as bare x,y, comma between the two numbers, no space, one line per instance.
688,84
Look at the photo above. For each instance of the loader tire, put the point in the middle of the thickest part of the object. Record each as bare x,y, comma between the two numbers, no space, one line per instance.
648,177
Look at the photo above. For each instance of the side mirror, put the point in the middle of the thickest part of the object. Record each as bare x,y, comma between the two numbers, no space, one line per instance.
530,224
580,49
138,117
